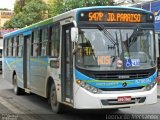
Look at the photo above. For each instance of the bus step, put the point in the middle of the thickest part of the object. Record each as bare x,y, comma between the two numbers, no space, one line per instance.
27,90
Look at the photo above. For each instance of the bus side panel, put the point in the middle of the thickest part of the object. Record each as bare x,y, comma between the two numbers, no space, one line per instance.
38,75
9,66
19,71
55,74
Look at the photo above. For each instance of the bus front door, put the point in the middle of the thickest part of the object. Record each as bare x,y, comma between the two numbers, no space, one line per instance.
67,65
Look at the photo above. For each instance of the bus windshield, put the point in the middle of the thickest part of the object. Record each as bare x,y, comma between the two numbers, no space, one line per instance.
115,49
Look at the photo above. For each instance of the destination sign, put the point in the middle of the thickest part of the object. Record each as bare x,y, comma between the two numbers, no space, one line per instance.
114,17
107,16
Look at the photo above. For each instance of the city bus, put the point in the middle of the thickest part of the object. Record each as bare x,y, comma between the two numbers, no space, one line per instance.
101,57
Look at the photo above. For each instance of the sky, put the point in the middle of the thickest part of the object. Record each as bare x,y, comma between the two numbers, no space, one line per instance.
7,4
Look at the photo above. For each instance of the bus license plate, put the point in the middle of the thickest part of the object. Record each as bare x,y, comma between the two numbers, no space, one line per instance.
124,99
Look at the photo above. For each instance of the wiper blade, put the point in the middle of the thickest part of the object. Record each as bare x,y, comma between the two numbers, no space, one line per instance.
117,44
108,35
133,37
112,40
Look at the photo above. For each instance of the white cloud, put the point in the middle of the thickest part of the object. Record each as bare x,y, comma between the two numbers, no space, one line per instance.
7,4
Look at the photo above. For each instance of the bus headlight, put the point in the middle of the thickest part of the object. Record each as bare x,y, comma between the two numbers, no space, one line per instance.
150,86
88,87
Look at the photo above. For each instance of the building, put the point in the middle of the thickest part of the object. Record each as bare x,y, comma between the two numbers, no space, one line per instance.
5,15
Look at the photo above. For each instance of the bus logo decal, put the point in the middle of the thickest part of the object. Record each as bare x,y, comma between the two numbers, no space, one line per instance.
124,84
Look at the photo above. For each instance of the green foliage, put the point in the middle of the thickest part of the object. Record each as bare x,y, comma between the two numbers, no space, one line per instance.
60,6
56,7
19,4
7,25
33,11
17,7
16,22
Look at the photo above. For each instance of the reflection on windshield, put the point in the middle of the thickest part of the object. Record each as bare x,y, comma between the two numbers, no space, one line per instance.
112,49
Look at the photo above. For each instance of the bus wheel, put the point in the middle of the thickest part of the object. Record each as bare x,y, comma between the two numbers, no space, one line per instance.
55,105
16,89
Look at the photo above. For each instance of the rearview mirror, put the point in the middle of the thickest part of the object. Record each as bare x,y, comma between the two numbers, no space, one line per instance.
74,34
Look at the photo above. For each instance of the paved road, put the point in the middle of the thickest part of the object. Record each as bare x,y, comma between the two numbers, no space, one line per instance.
33,107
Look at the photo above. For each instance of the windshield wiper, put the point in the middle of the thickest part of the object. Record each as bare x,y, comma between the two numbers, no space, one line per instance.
112,40
107,34
133,37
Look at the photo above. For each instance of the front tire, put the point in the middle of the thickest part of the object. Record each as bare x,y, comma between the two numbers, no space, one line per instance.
55,105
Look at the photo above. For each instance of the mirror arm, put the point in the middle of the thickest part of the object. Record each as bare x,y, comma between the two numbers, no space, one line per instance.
75,23
75,49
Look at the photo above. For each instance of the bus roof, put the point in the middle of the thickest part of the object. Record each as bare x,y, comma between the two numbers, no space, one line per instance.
70,13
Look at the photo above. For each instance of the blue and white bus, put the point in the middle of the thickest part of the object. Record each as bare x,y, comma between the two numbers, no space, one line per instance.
87,58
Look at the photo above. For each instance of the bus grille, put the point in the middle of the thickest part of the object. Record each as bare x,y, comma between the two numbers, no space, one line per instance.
121,89
121,76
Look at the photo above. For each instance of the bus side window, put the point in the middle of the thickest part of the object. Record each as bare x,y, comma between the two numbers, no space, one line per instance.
20,48
12,41
14,46
17,40
44,42
49,41
55,41
36,43
10,47
32,39
40,43
8,50
6,47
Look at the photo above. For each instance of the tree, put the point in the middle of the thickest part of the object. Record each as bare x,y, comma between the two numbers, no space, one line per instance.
7,25
60,6
19,4
56,7
33,11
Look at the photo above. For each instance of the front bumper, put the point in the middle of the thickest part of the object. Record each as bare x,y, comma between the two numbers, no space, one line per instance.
83,99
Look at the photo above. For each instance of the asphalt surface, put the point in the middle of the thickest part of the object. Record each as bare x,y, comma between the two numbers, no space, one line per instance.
34,107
